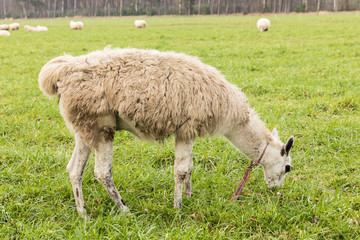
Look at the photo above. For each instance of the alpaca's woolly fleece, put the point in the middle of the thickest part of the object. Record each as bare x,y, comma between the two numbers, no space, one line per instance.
4,27
4,33
31,29
14,26
42,28
263,24
156,93
140,23
76,25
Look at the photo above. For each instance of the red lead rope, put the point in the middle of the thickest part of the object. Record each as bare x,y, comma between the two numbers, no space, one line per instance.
246,176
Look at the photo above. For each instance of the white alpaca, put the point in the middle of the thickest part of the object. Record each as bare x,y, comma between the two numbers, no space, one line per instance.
31,29
42,28
4,27
154,95
14,26
76,25
4,33
140,23
263,24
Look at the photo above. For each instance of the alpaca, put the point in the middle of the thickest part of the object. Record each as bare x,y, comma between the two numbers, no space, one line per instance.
263,24
140,23
31,28
4,33
14,26
4,27
76,25
154,95
42,28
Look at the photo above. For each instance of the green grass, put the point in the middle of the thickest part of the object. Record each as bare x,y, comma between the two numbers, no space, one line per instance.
302,77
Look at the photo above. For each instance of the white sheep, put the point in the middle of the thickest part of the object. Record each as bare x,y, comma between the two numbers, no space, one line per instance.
154,95
76,25
4,27
263,24
42,28
4,33
14,26
31,29
140,23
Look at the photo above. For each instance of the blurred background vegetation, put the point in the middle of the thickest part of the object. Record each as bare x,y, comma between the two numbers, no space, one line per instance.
62,8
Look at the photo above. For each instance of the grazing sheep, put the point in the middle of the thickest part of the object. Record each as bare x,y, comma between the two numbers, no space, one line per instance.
263,24
31,29
4,33
41,28
14,26
4,27
140,23
76,25
154,95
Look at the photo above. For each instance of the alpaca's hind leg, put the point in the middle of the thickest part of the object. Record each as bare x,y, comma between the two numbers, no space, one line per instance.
103,163
182,170
187,181
75,169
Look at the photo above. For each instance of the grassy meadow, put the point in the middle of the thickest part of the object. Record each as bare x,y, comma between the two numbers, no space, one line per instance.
302,76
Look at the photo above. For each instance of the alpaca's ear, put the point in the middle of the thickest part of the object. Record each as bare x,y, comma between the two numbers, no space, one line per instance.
289,145
275,132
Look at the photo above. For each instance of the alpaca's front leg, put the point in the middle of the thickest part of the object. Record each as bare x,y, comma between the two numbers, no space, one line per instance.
182,170
187,180
75,169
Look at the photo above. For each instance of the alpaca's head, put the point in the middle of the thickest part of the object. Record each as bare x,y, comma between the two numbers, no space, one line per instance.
276,161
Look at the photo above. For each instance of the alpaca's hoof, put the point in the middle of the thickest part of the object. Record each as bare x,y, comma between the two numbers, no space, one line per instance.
124,209
86,217
83,214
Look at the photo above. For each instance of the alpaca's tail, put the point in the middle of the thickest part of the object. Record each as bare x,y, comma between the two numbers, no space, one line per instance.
52,72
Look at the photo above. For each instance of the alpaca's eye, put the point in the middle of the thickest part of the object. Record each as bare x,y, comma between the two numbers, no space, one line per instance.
287,168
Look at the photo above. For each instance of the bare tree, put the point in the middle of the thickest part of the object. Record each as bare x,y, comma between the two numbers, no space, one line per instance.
106,7
74,8
199,7
188,7
121,7
54,14
218,7
336,5
22,3
305,2
4,7
263,5
226,7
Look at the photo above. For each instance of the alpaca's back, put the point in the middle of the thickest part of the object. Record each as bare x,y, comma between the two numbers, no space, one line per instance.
156,93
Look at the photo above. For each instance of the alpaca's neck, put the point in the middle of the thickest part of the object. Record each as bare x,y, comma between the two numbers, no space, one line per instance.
250,138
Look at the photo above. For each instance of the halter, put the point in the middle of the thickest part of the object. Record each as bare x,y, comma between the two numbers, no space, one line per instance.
247,175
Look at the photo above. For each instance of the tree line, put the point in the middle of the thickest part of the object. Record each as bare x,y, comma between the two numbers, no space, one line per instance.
62,8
